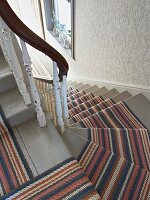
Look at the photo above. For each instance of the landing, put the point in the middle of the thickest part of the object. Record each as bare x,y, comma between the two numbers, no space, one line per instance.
43,147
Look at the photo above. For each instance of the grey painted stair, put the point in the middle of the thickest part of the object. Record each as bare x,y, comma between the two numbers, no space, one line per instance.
109,94
78,85
91,89
121,96
84,87
7,80
74,142
82,132
44,146
100,91
14,108
71,84
140,105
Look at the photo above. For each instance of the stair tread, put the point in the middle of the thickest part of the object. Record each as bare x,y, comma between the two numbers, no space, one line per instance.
66,180
44,145
3,62
119,115
71,83
100,91
78,85
71,138
84,87
83,132
111,93
91,89
121,96
12,102
90,111
4,72
140,106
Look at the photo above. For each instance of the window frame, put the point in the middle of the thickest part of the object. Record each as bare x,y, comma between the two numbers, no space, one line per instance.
49,24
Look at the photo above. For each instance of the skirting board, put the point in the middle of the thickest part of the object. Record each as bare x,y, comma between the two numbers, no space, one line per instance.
132,88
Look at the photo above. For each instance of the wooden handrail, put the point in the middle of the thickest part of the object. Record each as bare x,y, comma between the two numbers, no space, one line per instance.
27,35
44,79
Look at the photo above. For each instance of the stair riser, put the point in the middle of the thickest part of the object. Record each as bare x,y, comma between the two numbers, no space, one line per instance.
7,83
21,117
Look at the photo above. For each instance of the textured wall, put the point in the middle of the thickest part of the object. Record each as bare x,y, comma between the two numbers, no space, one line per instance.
112,40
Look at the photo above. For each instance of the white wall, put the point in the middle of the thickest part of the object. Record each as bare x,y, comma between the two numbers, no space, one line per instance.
28,12
112,41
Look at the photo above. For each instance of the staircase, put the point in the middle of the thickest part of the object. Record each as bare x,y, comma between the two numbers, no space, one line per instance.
11,100
104,153
109,136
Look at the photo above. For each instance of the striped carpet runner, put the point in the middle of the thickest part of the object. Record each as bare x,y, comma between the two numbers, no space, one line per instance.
116,157
117,162
74,91
65,181
75,96
75,107
14,170
116,116
92,110
80,100
113,165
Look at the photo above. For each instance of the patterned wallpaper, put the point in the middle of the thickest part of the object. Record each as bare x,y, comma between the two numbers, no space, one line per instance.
112,40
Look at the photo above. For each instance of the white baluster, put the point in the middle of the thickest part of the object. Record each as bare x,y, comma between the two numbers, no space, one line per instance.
36,99
11,57
64,101
58,106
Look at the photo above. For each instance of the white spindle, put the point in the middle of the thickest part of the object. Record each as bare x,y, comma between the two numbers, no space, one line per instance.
36,99
58,106
64,101
12,59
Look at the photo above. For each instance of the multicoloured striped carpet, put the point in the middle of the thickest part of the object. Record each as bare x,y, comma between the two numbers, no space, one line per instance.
91,110
65,181
116,157
116,116
83,105
113,165
79,100
14,170
117,162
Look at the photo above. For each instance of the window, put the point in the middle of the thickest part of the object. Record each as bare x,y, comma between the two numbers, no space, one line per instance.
59,21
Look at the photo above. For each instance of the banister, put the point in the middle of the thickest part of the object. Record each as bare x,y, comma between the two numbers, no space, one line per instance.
28,36
44,79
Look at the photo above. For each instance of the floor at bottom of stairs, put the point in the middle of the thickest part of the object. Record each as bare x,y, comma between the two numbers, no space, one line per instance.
43,147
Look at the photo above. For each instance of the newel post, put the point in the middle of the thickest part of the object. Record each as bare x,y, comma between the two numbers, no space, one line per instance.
36,99
58,105
64,101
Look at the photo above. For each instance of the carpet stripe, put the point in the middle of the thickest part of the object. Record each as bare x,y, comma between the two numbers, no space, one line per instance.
118,167
83,114
13,171
13,156
72,92
83,105
112,118
76,108
66,181
75,96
